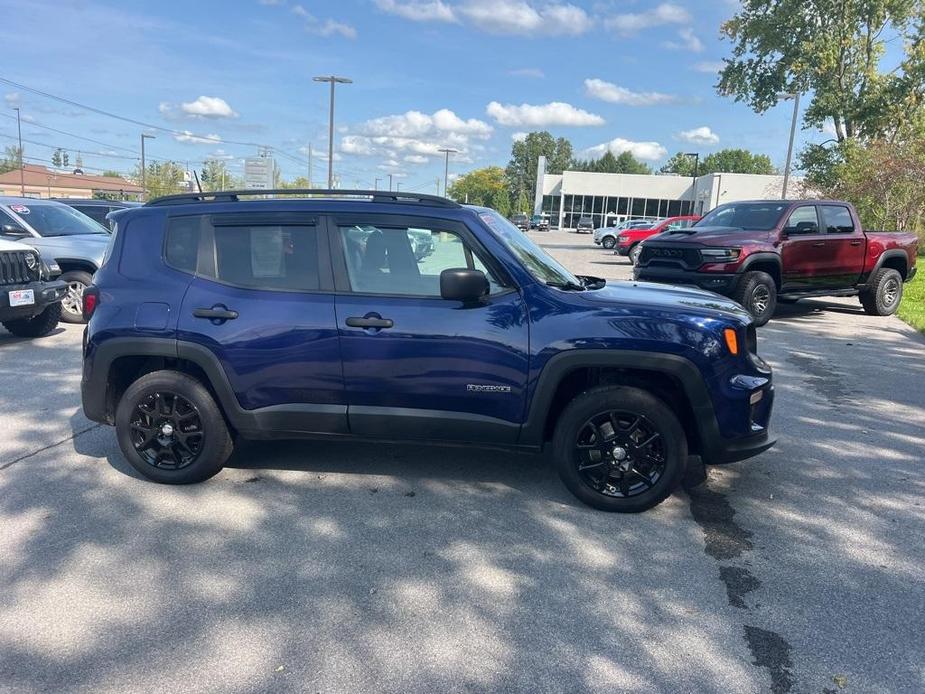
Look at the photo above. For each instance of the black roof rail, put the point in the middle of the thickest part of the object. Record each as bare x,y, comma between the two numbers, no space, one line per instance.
386,196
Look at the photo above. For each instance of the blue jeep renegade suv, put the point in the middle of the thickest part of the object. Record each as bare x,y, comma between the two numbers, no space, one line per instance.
219,315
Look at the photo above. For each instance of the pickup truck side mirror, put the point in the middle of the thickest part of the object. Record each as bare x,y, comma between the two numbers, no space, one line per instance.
13,230
462,284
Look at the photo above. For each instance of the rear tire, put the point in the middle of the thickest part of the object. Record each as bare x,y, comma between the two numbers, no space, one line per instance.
72,304
37,326
619,449
757,293
884,293
197,443
608,242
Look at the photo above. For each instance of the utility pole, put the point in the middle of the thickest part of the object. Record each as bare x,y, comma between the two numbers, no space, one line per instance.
376,184
446,166
144,173
390,183
333,80
437,181
397,186
793,129
309,164
696,156
22,169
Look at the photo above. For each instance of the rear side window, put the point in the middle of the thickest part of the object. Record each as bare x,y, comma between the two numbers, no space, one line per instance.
267,257
95,212
837,219
183,243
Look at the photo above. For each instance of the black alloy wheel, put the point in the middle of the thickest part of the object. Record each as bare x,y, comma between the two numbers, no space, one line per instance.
167,431
620,454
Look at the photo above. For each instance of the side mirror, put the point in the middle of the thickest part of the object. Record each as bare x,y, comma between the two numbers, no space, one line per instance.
13,230
461,284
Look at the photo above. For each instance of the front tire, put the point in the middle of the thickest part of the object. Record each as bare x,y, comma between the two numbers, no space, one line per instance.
634,254
72,310
619,449
608,242
37,326
757,293
884,294
170,429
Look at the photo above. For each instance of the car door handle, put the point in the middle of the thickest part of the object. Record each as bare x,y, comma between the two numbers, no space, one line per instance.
216,313
818,244
856,242
357,322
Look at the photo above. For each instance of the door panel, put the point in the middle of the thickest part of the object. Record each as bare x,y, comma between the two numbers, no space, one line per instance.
441,369
846,245
258,303
804,253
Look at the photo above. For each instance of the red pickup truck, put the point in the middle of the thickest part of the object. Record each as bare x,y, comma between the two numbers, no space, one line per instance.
759,252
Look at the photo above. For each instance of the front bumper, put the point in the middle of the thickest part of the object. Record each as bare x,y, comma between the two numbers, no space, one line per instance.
713,282
45,293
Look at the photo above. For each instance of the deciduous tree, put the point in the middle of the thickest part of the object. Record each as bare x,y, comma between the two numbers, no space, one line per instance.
480,187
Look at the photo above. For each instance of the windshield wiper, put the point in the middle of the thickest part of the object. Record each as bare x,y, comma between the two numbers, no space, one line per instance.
567,285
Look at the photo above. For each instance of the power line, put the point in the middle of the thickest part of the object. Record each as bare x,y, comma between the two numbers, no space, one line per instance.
79,137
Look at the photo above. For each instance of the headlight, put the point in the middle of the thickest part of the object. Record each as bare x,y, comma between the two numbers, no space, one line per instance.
623,238
720,255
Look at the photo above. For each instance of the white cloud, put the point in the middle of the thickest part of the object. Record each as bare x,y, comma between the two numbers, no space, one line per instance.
221,155
519,136
416,159
699,136
666,13
417,124
553,113
187,136
689,41
208,107
614,94
331,27
415,134
12,98
433,11
496,16
533,72
709,66
647,151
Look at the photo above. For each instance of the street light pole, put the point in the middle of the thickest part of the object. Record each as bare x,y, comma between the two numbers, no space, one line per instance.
144,173
376,184
793,129
22,170
446,166
333,79
390,183
696,156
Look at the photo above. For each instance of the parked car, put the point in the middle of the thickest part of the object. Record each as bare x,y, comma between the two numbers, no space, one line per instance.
218,315
30,299
629,240
763,251
97,209
521,221
585,224
540,222
607,236
61,234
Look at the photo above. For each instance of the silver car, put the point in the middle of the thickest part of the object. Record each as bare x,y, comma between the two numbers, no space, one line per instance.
61,234
607,236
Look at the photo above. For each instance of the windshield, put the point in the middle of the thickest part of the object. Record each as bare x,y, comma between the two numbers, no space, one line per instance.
537,261
56,220
760,216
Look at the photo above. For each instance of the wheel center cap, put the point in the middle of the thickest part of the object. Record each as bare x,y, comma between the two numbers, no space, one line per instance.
619,453
167,430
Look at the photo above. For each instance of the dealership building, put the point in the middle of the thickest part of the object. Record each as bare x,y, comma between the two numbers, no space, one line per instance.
611,198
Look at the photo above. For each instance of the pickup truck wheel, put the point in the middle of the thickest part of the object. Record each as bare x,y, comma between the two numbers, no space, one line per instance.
634,254
757,294
37,326
608,242
619,449
884,293
170,429
72,303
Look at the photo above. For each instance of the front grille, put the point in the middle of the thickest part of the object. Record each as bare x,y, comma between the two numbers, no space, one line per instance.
15,270
672,256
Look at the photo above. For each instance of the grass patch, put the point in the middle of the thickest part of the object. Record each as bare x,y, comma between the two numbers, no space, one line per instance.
912,309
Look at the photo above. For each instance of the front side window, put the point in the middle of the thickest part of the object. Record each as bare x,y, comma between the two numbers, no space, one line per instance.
404,261
55,219
803,220
837,219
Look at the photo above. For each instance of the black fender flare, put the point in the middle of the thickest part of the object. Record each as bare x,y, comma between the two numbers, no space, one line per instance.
679,368
83,264
762,257
886,255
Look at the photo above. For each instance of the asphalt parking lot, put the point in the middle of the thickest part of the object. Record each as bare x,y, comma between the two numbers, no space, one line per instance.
333,567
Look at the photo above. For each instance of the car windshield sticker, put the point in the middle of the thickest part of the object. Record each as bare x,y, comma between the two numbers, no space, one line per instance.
19,209
267,252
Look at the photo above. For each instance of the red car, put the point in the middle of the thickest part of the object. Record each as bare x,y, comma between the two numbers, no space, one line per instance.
628,240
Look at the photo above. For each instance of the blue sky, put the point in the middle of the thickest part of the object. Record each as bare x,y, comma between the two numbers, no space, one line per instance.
220,77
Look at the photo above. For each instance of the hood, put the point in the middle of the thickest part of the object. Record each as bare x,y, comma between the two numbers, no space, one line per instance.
713,236
90,247
667,296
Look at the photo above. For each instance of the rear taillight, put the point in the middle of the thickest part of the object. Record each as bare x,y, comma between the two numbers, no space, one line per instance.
91,300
